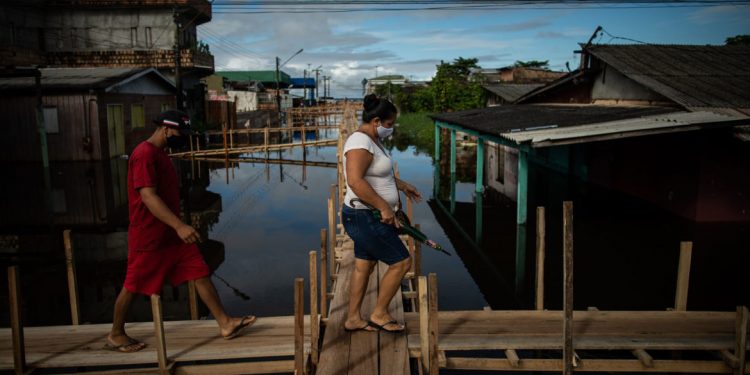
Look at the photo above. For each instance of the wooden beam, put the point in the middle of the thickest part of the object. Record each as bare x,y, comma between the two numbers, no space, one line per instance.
270,367
161,343
741,339
512,357
568,287
595,365
314,319
16,320
540,244
332,228
70,265
424,328
644,357
730,359
299,326
432,322
683,276
324,273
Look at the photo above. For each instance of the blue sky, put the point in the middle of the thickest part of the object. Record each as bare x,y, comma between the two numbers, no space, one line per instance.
350,46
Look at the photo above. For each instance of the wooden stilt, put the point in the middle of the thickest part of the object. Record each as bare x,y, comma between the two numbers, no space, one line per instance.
314,318
16,321
741,339
512,357
568,291
332,229
193,300
433,323
424,326
683,276
161,343
70,265
299,326
540,244
644,357
323,273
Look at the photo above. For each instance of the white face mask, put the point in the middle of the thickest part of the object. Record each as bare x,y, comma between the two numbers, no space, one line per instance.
384,132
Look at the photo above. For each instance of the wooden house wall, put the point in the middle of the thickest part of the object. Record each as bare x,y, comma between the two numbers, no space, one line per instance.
77,120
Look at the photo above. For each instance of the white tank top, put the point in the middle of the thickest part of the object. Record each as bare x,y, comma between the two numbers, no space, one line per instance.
379,175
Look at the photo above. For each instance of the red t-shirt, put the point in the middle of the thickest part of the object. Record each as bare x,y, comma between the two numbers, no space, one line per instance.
150,166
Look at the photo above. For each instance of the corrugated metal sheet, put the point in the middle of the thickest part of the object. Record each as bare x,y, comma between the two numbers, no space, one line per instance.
676,121
510,92
73,78
693,76
265,76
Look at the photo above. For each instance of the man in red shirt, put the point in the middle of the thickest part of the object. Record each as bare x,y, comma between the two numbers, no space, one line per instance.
160,245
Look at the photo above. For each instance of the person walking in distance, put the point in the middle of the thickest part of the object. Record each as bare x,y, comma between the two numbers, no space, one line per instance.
160,245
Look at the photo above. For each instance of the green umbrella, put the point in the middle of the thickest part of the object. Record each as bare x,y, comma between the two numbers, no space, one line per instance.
406,227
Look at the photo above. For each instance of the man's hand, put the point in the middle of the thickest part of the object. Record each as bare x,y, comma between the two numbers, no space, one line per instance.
188,234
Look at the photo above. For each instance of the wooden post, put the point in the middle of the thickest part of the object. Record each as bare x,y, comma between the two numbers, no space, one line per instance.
265,142
224,132
424,326
16,320
161,343
70,264
332,229
299,326
417,264
540,244
433,323
741,339
568,291
323,273
683,276
193,300
314,319
644,357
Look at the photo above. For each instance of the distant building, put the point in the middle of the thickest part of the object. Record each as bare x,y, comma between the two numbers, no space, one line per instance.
373,83
256,89
505,85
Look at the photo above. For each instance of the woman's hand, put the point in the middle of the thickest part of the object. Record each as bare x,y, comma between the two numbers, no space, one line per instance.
387,216
411,192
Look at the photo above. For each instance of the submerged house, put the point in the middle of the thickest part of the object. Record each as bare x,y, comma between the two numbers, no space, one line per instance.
667,125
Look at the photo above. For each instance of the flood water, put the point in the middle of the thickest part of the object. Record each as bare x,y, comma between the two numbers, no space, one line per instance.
260,222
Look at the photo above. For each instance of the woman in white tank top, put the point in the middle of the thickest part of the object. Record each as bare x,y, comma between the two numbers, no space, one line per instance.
368,170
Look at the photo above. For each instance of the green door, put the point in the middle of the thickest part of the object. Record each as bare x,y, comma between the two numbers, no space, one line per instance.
116,130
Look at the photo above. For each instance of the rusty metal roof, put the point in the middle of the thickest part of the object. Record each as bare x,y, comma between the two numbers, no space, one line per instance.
514,118
511,91
692,76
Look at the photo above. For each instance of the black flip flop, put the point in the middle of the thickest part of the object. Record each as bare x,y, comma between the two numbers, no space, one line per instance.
364,328
382,327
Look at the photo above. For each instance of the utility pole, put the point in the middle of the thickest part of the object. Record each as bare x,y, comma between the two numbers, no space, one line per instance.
304,86
177,46
317,84
278,94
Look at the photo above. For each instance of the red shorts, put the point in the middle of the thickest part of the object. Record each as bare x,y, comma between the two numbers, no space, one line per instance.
147,270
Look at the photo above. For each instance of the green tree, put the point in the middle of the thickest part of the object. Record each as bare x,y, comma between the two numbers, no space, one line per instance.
532,64
453,87
738,40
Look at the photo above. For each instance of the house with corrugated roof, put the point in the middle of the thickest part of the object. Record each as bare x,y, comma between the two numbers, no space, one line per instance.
505,85
665,124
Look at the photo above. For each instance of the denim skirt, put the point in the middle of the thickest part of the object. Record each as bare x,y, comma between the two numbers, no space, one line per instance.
373,240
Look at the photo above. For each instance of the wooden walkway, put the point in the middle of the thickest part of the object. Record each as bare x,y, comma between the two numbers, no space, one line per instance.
187,342
360,352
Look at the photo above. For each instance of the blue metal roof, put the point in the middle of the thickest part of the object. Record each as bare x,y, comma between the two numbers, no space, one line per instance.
303,82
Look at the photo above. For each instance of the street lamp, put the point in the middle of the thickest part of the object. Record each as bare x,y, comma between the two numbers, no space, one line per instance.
278,78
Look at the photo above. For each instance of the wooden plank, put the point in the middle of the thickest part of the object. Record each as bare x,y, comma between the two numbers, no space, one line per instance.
270,367
334,354
314,318
363,346
512,357
432,305
599,365
16,320
568,287
393,352
729,358
741,339
299,324
70,265
424,327
161,343
683,276
540,245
